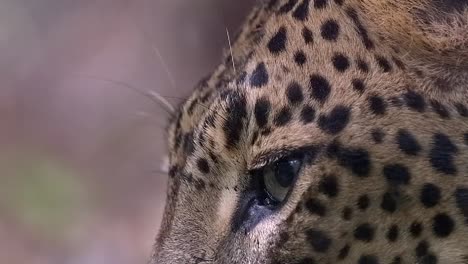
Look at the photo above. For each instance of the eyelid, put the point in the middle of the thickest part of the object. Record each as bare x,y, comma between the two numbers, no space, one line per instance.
271,156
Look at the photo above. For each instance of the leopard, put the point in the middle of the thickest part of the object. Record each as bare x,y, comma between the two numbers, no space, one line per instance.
332,131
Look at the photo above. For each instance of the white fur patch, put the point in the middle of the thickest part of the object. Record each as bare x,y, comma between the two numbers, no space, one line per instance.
226,207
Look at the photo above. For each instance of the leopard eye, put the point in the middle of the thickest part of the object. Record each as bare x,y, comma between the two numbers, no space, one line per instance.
278,179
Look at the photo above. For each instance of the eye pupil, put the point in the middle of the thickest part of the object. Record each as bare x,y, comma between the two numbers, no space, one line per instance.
285,173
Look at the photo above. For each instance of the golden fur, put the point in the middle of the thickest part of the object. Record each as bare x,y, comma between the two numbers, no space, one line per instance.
379,110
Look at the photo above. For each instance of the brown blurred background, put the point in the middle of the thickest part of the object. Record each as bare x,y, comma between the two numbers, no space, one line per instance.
81,151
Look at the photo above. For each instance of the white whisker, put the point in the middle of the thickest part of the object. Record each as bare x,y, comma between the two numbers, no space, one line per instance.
153,95
230,49
165,67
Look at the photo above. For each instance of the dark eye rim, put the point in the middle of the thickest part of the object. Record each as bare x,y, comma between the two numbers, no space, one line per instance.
268,157
249,212
263,195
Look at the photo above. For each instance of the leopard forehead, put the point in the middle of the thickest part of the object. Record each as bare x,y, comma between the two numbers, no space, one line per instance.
384,125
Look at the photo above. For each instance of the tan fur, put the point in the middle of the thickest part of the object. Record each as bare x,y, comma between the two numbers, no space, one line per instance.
430,38
216,141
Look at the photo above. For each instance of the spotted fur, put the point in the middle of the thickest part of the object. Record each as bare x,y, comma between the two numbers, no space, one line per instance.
373,93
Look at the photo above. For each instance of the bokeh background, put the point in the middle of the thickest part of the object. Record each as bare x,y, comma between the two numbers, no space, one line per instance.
81,148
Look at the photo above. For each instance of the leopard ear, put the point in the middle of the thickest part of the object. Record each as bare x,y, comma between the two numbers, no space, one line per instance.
432,35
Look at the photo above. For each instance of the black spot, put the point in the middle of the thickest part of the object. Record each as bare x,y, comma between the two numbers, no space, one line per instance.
347,213
307,114
340,62
254,137
210,120
461,197
234,123
377,135
294,93
339,2
200,184
440,109
335,121
363,202
266,131
272,3
416,229
284,237
277,43
319,4
363,66
262,111
407,142
465,138
358,85
307,35
362,31
442,154
316,207
389,202
213,157
302,11
461,109
397,260
384,64
399,63
319,241
364,232
303,261
377,105
283,117
392,234
430,195
428,259
344,252
443,225
396,174
368,259
288,6
356,159
188,177
415,101
206,96
300,58
422,249
329,186
177,139
192,106
330,30
188,145
173,171
259,76
201,137
203,166
319,87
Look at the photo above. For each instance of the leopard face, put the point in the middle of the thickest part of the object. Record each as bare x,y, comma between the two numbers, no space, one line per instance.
333,132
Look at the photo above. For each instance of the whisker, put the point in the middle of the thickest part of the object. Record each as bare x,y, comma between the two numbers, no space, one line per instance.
152,95
158,54
168,72
165,66
230,49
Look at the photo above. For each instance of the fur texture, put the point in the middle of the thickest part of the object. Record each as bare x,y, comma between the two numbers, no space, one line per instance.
373,95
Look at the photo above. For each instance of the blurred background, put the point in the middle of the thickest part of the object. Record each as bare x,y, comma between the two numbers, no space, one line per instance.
80,148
